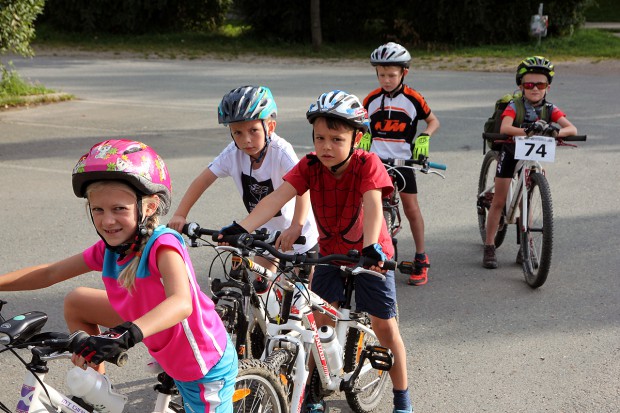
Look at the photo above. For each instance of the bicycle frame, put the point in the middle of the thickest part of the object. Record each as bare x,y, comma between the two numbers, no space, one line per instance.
300,330
516,197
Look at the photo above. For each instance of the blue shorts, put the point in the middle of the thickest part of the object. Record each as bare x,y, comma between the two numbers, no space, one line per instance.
372,295
213,393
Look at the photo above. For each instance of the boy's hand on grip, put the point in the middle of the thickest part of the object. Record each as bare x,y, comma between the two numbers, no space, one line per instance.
375,252
421,146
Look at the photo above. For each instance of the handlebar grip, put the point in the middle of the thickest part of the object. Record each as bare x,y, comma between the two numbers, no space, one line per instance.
389,265
437,166
79,336
574,138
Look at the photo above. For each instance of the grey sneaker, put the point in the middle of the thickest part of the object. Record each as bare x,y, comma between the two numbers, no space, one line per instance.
489,259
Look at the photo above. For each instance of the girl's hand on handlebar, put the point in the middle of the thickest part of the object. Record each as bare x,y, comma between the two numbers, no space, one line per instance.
286,240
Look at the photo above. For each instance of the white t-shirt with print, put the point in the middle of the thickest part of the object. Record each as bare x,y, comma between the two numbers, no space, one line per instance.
255,184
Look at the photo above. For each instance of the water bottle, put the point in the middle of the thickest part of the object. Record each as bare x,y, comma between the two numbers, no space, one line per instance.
331,348
268,296
95,389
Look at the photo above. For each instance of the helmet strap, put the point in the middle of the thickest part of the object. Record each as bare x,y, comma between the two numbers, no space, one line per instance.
263,151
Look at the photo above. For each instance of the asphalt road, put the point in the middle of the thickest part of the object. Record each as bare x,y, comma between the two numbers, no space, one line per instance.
478,340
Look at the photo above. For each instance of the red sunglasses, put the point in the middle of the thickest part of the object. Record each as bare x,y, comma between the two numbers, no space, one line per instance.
538,85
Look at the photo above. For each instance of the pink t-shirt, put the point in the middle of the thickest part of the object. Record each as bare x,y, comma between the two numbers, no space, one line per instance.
187,350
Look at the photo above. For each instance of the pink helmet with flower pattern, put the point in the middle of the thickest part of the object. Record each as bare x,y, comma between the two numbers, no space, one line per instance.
124,160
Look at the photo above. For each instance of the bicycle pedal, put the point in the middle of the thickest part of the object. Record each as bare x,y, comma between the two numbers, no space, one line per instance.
406,267
381,358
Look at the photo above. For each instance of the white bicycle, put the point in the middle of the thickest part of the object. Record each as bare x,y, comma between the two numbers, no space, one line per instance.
348,356
24,331
530,194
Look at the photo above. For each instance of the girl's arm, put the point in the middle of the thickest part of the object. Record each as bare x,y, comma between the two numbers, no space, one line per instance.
178,303
268,207
193,193
373,216
567,128
41,276
289,236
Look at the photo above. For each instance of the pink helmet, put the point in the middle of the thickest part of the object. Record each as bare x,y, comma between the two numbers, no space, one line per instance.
133,162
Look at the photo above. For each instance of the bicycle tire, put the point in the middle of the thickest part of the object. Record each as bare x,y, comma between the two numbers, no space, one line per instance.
537,241
487,177
256,341
389,217
279,361
371,398
233,322
258,389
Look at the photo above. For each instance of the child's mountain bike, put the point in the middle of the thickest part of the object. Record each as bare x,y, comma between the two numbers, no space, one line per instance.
348,356
528,204
391,204
244,301
91,391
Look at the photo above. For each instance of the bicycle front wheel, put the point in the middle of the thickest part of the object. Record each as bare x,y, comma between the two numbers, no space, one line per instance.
374,382
537,241
258,389
486,184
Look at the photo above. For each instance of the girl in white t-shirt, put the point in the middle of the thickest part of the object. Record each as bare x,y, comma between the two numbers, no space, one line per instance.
257,159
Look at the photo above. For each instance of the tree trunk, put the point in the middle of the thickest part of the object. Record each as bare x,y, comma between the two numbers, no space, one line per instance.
315,24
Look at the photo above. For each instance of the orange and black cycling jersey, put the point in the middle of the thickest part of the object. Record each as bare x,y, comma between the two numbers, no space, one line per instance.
394,120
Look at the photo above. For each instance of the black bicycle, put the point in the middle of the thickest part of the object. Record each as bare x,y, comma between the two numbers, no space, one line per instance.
391,204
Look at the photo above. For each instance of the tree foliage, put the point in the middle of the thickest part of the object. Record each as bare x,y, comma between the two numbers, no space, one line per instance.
17,25
134,16
413,22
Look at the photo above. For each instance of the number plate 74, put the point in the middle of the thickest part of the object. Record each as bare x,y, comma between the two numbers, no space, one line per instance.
535,148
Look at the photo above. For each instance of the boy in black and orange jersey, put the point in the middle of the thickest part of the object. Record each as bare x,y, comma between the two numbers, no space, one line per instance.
394,110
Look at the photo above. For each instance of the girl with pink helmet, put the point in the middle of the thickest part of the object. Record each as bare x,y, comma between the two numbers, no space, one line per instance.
151,294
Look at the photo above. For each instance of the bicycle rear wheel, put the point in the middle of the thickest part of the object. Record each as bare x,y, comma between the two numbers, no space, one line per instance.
258,389
374,382
232,315
390,215
485,181
537,241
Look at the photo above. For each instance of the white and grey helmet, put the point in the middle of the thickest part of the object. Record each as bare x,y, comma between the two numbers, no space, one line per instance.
341,105
390,54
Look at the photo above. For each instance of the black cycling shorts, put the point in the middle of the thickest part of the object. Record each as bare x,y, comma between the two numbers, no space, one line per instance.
506,162
405,181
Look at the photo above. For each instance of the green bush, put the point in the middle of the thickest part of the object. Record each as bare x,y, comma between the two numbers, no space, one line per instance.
414,22
134,16
16,25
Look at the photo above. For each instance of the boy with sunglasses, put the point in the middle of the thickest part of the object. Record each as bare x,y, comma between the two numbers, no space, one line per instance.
534,75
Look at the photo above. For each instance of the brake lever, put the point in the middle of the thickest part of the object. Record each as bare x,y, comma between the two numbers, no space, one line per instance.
362,270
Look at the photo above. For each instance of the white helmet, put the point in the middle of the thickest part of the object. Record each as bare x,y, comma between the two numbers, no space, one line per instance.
390,54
